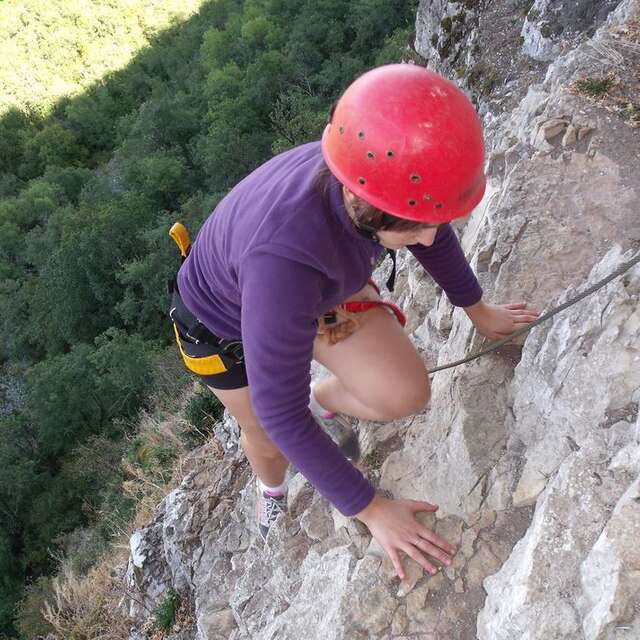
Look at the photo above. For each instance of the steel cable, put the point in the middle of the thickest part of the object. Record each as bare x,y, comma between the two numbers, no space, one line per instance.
495,345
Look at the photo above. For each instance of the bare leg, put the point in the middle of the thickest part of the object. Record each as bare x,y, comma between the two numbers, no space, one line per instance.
333,396
378,375
265,458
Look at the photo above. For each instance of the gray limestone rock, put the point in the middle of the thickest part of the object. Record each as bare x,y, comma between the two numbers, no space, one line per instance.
551,26
610,574
536,593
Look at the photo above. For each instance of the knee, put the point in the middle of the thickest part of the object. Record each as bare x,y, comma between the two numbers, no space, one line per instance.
403,401
253,438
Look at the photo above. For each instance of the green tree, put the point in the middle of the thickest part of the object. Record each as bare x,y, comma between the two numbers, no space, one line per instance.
76,292
53,145
33,205
296,117
91,119
161,177
221,46
11,142
108,380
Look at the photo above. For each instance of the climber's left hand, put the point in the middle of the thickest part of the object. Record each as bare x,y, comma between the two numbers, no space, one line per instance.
497,321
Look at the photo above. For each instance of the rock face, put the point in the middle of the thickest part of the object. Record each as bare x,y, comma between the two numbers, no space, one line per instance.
532,452
551,26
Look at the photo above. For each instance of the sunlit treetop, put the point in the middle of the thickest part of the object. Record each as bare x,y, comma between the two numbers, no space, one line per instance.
59,47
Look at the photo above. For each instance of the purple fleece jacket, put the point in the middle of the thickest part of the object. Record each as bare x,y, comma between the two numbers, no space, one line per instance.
269,261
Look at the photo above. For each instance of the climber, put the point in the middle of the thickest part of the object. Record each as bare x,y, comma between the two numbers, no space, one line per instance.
262,290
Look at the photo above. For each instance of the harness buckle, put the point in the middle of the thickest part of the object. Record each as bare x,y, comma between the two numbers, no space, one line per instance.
235,350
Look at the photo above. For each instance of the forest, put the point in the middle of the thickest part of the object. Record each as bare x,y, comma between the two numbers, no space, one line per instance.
117,119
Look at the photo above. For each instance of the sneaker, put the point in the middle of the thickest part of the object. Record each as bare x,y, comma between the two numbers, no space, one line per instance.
342,433
337,426
268,507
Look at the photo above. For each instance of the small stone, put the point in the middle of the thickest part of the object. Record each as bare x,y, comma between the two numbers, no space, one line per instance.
316,521
435,583
400,620
484,563
584,131
481,519
570,136
528,490
594,145
223,622
416,600
486,519
387,567
413,572
427,619
459,561
459,586
553,127
450,528
466,545
297,490
375,549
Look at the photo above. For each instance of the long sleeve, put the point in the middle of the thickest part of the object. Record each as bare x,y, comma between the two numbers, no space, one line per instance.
444,260
280,298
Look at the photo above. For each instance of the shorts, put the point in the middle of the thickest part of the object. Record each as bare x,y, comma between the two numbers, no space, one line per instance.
204,359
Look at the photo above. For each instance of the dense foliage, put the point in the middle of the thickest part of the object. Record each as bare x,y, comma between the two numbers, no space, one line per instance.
91,178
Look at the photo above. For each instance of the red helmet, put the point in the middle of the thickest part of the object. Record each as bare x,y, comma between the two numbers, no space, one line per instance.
408,142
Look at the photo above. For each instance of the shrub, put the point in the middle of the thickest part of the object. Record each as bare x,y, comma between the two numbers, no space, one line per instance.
166,611
594,86
203,410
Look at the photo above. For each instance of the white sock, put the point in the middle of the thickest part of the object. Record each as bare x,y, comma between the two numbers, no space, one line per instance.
315,407
280,489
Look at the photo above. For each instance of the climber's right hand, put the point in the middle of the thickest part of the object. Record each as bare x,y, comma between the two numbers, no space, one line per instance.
394,526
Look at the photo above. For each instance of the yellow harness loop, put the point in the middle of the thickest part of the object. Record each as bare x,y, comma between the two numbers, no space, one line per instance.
202,365
181,237
206,366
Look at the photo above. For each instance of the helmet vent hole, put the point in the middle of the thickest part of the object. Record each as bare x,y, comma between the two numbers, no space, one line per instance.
341,130
362,180
412,203
415,178
438,205
370,154
390,153
426,196
361,135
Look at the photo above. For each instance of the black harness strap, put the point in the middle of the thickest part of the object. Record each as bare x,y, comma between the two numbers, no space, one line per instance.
391,281
370,234
196,331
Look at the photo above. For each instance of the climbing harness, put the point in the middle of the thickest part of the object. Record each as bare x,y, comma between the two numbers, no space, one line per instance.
203,352
495,345
358,306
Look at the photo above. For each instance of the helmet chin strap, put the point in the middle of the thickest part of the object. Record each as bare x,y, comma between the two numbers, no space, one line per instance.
362,228
367,231
370,233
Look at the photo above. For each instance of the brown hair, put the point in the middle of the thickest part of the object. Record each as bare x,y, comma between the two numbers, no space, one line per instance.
365,213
